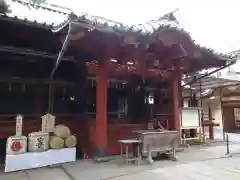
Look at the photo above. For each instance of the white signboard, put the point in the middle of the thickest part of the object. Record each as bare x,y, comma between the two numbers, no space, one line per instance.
19,122
48,123
190,118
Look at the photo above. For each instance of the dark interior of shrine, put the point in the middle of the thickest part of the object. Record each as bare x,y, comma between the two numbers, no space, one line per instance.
27,58
23,76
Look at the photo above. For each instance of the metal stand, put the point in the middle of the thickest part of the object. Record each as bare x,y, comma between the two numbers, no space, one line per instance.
228,155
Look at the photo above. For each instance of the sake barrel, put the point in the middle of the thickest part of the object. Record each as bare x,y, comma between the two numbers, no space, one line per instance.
56,142
71,141
16,145
38,141
62,131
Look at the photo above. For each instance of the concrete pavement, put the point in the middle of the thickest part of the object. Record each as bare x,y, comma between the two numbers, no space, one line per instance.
198,157
218,169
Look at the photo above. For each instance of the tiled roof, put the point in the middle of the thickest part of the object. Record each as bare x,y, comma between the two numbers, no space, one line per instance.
56,18
211,81
45,16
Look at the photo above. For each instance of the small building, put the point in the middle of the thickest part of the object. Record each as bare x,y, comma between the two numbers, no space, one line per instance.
220,103
113,79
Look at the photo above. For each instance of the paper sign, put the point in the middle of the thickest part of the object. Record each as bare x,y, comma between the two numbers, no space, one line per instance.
19,121
48,123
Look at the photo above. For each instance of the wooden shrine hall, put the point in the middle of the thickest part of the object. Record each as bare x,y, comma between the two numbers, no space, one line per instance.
111,80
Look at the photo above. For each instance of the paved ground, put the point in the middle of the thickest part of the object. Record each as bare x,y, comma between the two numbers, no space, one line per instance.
194,163
218,135
219,169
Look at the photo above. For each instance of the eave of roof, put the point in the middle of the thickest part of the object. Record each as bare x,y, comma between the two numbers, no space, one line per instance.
210,82
144,33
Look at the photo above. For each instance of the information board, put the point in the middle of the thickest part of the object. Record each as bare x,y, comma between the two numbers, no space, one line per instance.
190,118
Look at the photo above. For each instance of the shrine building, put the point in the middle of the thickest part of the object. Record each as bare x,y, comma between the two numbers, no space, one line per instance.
112,78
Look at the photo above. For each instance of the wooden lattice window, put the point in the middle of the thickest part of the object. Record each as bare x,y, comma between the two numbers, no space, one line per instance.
237,117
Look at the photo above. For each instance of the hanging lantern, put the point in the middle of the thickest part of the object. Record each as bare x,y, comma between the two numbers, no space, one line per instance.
156,63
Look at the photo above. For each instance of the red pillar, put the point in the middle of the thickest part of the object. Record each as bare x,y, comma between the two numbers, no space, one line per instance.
176,103
211,125
101,112
211,131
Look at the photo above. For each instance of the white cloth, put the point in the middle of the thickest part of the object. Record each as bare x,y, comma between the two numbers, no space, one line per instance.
32,160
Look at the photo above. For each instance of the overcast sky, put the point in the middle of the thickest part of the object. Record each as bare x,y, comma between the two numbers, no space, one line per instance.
212,23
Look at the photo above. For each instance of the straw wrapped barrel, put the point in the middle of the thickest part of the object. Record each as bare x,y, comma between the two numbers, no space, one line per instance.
56,142
62,131
71,141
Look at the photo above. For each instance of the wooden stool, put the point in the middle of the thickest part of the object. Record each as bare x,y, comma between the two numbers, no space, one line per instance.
129,157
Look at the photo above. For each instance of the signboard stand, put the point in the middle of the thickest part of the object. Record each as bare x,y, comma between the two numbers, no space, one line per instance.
190,120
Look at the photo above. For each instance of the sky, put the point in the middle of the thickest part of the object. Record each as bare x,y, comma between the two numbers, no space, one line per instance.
211,23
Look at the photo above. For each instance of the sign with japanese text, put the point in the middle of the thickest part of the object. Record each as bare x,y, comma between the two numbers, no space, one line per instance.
19,122
48,123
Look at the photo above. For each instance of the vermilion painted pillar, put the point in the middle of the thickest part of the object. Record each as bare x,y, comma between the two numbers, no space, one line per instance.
176,103
101,112
211,125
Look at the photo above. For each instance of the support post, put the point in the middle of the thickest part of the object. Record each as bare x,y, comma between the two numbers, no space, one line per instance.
211,126
101,104
228,154
221,104
175,104
101,113
201,106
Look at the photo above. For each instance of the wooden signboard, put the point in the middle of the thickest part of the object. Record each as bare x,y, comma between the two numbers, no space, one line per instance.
48,123
19,122
190,117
